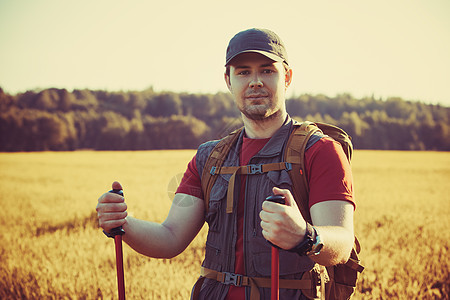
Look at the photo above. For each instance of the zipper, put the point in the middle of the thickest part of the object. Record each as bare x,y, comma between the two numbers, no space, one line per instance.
231,245
255,218
245,231
256,207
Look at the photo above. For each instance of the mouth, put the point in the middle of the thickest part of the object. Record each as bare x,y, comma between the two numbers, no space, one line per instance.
256,97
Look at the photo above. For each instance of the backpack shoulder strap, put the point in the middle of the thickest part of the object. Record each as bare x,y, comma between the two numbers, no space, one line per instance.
295,152
295,155
215,160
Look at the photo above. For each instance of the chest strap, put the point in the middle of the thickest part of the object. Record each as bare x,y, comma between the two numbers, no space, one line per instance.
246,170
308,282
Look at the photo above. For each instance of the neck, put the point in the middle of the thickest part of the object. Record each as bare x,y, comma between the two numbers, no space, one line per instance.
266,128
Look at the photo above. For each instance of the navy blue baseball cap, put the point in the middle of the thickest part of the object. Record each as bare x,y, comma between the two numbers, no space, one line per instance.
262,41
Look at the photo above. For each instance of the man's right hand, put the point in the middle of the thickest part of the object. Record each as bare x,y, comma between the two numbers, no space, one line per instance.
111,209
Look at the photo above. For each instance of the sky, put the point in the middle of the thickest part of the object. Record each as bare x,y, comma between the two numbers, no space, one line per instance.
384,48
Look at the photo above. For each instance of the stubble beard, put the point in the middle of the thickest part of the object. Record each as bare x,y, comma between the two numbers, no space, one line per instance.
258,113
259,110
255,108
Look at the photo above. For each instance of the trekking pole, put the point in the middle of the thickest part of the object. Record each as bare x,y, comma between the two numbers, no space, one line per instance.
117,234
275,265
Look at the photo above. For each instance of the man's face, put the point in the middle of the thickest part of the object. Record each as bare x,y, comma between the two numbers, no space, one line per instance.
258,85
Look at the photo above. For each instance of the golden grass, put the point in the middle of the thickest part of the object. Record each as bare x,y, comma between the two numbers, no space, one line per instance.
52,248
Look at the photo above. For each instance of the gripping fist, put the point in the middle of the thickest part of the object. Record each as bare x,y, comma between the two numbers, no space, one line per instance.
282,225
111,209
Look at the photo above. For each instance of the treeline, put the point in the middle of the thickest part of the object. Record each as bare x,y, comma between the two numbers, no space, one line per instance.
59,120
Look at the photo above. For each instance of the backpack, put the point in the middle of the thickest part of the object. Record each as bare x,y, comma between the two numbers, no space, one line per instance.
342,278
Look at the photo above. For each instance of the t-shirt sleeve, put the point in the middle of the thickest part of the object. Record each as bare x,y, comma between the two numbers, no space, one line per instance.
329,172
191,183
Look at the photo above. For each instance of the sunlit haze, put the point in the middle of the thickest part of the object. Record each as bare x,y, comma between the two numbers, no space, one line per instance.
365,48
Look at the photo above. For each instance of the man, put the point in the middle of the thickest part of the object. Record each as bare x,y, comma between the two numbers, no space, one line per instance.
257,75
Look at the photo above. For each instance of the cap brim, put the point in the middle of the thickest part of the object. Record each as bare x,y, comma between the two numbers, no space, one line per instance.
272,56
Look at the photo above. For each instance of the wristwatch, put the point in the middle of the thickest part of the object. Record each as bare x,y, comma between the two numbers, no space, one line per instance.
311,244
317,246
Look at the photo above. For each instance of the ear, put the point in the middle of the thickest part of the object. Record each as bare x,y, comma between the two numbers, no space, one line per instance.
227,81
288,78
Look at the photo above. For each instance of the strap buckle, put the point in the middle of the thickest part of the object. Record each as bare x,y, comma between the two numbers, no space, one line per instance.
255,169
213,170
231,278
288,166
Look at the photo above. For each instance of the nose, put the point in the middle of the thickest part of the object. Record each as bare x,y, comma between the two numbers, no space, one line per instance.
256,82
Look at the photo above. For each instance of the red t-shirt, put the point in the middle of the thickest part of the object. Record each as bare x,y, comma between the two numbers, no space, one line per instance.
329,177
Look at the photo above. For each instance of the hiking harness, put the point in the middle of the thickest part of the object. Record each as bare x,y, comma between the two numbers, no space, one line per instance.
310,284
313,282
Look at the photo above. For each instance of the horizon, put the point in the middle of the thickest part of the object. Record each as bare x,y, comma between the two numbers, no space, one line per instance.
288,97
381,50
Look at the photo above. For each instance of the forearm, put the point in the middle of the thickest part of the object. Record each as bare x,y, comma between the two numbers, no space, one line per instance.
337,245
150,239
167,240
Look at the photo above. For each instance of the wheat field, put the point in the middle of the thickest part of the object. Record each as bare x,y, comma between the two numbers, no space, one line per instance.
52,248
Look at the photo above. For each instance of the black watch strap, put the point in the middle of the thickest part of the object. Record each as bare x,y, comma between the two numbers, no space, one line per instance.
306,244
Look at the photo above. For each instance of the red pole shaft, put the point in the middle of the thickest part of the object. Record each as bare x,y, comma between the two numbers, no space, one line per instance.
119,267
275,274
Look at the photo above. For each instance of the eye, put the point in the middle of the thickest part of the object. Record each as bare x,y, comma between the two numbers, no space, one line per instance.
268,71
243,72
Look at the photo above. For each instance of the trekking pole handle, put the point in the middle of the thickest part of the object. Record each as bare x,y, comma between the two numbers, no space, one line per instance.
277,199
117,230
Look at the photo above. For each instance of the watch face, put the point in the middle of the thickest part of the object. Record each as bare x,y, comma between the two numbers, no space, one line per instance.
317,247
